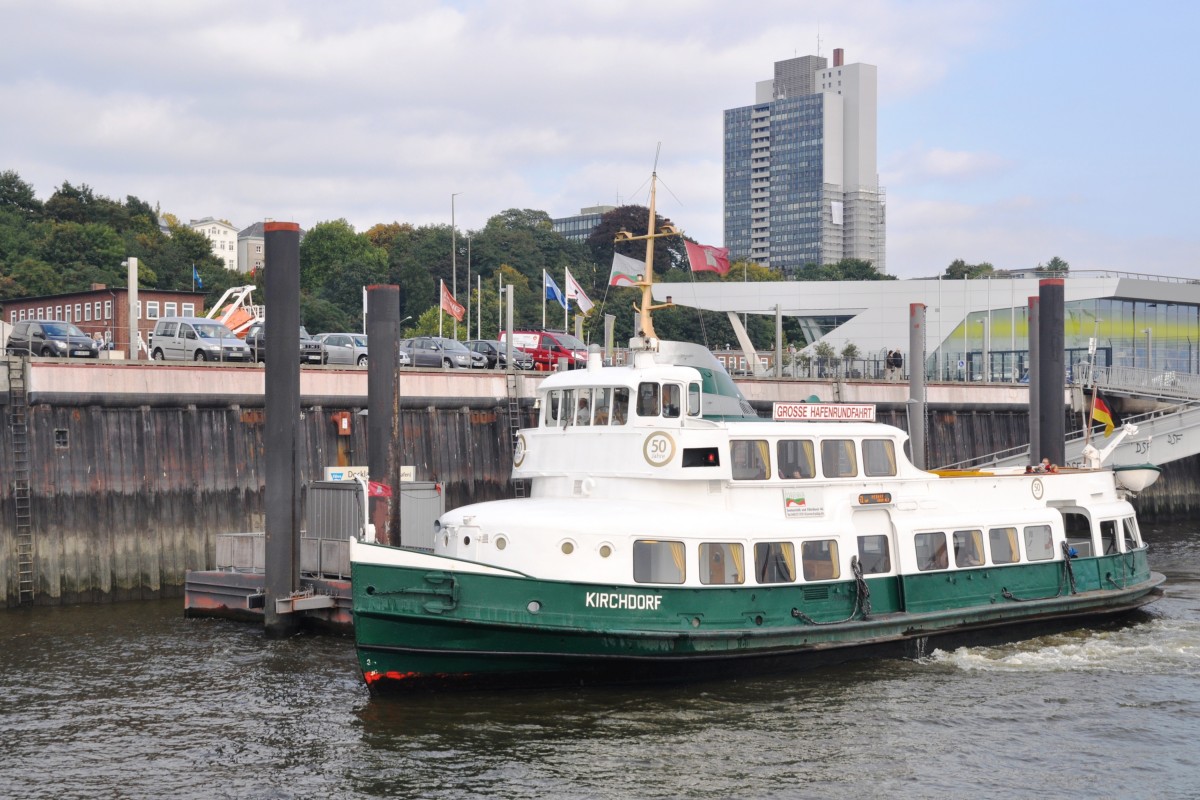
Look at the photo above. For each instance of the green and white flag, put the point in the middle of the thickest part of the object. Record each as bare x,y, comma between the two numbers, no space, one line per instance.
626,271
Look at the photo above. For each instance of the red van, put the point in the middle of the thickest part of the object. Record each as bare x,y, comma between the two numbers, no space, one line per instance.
547,347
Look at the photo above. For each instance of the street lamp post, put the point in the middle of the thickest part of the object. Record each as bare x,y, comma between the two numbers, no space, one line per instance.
454,259
1149,348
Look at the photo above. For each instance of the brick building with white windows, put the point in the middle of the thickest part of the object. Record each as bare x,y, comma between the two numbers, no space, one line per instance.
105,310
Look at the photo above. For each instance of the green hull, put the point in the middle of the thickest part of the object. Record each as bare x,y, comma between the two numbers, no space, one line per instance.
420,626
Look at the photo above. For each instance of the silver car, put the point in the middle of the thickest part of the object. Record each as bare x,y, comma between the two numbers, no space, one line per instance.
344,348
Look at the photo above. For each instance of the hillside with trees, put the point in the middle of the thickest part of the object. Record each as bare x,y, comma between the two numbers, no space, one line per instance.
76,238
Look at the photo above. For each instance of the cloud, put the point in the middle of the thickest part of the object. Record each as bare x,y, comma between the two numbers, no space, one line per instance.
919,165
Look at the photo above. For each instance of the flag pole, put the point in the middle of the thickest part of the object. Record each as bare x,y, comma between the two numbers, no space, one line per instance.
566,303
543,299
441,298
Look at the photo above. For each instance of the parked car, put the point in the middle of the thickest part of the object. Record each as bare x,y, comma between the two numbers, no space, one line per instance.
311,351
344,348
496,354
547,347
437,351
51,337
195,339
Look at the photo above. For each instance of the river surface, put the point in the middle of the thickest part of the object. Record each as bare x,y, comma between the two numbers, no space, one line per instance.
135,701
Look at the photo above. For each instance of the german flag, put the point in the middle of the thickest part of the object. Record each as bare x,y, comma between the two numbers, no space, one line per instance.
1103,414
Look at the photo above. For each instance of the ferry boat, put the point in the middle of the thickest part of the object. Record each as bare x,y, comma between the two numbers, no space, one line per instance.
671,533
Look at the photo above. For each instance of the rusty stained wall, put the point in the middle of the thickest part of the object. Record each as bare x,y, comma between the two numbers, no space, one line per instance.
124,501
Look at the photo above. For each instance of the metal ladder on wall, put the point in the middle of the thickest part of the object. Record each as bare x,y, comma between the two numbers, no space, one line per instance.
19,426
514,424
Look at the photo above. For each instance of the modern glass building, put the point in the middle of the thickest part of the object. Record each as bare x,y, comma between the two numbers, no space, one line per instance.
979,329
579,227
801,185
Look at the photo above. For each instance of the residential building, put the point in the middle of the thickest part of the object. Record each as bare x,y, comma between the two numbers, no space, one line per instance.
224,238
251,249
579,227
801,183
105,310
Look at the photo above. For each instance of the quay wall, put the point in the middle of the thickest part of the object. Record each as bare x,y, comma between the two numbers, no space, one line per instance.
129,489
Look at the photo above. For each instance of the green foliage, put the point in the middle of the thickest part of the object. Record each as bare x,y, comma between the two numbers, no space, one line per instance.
850,351
960,269
848,269
321,316
823,349
1055,264
669,252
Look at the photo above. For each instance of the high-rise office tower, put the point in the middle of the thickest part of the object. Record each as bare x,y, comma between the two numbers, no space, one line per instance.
801,185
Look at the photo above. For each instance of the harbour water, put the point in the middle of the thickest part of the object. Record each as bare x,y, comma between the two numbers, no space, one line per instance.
135,701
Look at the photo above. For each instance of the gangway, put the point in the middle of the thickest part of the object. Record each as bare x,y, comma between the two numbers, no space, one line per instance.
236,310
1165,434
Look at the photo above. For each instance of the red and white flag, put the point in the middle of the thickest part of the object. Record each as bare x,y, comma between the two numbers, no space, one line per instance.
377,489
450,305
705,257
575,292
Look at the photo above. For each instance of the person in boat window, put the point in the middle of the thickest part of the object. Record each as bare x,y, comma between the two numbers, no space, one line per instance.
584,415
647,405
601,417
620,406
1046,466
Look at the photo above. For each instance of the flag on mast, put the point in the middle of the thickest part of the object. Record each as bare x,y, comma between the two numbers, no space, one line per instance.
625,270
552,290
450,305
1103,414
705,257
575,292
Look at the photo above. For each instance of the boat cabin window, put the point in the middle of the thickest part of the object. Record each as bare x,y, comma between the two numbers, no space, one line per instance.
796,458
873,554
600,412
1129,537
879,457
820,560
1079,532
1108,536
647,399
1039,545
1003,542
693,400
553,404
722,562
583,407
658,562
672,402
931,551
750,459
620,406
968,548
838,459
775,562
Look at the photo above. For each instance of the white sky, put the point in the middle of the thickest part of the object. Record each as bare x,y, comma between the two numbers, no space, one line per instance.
1009,131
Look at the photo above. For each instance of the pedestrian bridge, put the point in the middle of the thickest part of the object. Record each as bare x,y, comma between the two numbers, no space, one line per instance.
1168,433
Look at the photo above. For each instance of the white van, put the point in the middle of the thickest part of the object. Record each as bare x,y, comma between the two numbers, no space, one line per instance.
195,339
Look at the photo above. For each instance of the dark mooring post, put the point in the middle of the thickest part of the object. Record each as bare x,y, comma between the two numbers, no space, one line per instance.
383,406
916,383
282,494
1052,353
1035,373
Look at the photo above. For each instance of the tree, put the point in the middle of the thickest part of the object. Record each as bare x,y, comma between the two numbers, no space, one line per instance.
959,269
18,196
329,248
1055,264
848,269
669,252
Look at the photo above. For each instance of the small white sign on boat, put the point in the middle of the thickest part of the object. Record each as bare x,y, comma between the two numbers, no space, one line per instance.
825,412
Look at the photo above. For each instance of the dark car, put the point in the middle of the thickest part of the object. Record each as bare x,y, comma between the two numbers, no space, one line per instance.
51,337
311,351
495,354
437,351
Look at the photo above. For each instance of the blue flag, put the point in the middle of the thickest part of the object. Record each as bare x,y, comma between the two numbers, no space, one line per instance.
552,290
196,277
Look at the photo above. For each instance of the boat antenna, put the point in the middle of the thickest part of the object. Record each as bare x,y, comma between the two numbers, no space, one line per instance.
646,279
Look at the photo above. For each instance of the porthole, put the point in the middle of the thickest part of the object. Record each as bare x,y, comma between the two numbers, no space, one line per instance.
466,540
568,547
606,550
501,543
446,540
534,606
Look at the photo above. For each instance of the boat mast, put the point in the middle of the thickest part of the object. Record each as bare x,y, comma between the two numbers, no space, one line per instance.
646,280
